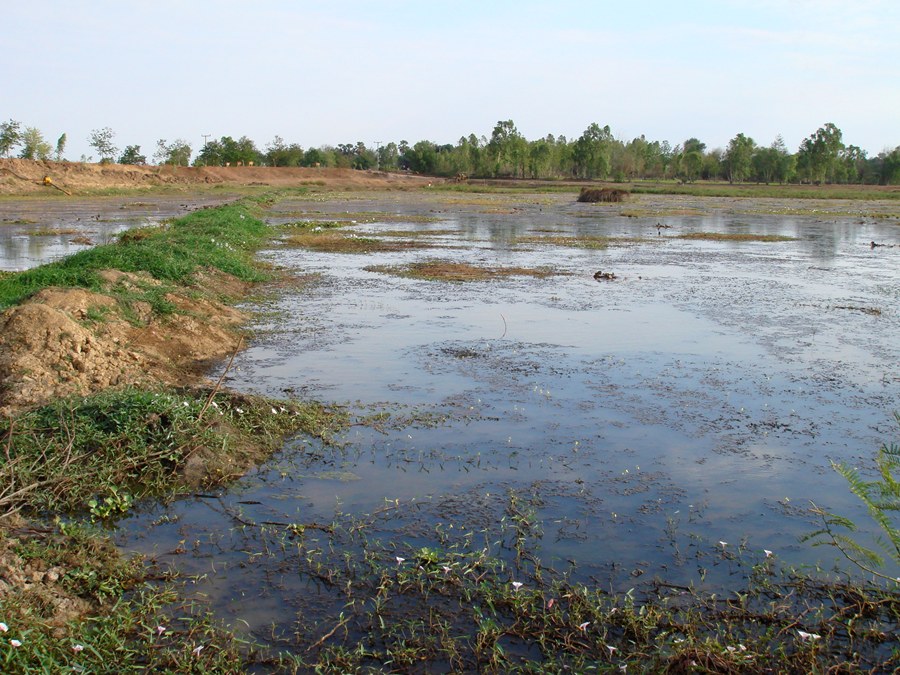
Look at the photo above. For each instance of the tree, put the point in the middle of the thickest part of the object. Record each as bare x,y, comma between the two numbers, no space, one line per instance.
738,157
60,147
690,165
818,154
10,137
132,155
592,152
176,153
102,141
507,148
33,145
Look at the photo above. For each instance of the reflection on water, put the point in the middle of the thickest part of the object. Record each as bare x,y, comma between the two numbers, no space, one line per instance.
34,232
697,399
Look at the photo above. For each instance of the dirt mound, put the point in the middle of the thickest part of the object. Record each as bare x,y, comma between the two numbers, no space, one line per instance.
73,341
22,176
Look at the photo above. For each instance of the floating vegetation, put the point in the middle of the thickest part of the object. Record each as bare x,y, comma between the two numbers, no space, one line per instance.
734,236
577,241
443,270
336,242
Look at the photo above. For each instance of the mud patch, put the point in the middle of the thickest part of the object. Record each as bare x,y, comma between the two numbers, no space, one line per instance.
443,270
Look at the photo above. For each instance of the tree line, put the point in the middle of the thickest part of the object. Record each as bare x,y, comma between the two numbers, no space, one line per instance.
823,157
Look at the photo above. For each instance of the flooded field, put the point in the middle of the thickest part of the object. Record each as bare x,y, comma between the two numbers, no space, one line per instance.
662,402
37,231
661,424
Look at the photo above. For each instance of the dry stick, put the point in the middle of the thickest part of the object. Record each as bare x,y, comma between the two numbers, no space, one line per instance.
221,379
327,635
504,327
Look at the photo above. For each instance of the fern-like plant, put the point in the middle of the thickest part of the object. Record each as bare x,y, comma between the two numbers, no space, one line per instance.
882,499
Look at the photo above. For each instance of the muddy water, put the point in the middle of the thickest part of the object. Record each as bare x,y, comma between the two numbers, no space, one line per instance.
37,231
697,399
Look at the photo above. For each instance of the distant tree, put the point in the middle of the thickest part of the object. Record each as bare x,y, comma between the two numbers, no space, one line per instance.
132,155
61,147
507,149
592,152
315,157
888,167
818,155
363,158
388,157
693,145
176,153
690,165
102,141
33,145
712,165
279,154
10,137
738,158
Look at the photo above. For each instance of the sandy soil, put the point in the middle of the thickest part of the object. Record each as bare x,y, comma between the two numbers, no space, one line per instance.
24,177
51,347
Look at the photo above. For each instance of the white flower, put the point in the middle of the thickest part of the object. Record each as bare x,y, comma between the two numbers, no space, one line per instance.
583,626
15,643
77,648
160,630
3,627
516,585
808,636
274,412
723,544
240,411
196,650
400,560
767,552
611,649
446,569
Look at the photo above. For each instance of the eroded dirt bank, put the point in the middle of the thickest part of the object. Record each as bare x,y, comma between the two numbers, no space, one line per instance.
74,341
25,177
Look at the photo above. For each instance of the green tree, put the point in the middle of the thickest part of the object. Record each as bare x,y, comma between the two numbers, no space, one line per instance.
507,149
738,157
591,152
690,165
102,141
33,145
10,137
61,147
388,157
818,154
176,153
132,155
888,167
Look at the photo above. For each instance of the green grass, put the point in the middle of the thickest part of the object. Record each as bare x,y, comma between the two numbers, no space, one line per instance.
97,455
222,238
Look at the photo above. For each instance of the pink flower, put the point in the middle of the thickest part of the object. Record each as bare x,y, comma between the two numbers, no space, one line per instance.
160,630
3,627
15,643
77,648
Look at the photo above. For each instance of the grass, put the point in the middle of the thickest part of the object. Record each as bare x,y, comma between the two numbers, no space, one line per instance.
593,242
97,455
443,270
734,236
222,238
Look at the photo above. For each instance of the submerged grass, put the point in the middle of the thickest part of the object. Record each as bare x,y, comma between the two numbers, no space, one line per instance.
734,236
443,270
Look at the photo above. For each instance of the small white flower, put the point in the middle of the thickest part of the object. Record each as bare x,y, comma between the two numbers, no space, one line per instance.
274,412
77,648
196,650
282,408
446,569
15,643
240,411
184,404
583,626
400,560
731,649
611,649
160,630
723,544
767,552
3,627
808,636
516,585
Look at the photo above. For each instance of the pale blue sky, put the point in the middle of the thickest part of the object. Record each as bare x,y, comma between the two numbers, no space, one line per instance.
342,71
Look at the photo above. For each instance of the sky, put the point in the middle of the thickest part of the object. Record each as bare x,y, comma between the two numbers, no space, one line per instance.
341,71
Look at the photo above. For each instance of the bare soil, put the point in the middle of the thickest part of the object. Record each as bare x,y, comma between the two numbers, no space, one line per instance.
25,177
72,341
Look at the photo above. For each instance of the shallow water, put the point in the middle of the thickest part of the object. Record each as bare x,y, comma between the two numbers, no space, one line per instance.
697,399
37,231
